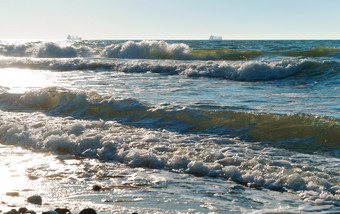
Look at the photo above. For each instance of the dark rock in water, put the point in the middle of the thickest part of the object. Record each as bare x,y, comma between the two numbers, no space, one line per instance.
276,187
30,212
32,177
36,199
13,194
62,211
96,187
12,211
22,210
50,212
88,211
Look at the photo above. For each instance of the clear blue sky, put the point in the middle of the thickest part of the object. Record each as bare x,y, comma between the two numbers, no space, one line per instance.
170,19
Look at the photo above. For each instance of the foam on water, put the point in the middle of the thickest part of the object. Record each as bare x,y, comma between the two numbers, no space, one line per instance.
64,182
218,126
44,50
254,70
52,50
289,131
149,50
313,178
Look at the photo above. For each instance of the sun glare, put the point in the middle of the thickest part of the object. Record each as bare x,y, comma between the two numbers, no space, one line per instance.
6,181
12,177
20,80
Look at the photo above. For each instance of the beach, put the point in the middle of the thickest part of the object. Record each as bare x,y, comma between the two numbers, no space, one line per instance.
152,126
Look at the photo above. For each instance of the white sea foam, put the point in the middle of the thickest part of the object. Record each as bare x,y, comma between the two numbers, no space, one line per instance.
45,50
53,50
323,132
148,50
138,147
129,49
176,124
246,71
254,70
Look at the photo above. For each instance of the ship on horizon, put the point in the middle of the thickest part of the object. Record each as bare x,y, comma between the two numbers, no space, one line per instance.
212,37
70,37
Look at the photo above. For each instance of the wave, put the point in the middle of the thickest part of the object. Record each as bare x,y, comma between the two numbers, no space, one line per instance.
314,178
226,54
320,51
244,147
306,133
233,54
150,50
52,50
45,50
252,70
129,50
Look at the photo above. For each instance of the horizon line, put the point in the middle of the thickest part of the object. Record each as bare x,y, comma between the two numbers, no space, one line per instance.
169,39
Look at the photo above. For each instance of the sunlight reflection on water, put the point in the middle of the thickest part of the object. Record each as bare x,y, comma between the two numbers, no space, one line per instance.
21,80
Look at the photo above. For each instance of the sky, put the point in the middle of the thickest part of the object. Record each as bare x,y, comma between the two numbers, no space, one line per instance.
170,19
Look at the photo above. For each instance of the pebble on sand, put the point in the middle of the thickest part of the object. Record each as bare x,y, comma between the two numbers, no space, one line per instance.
50,212
13,194
22,210
96,187
13,211
62,211
88,211
35,199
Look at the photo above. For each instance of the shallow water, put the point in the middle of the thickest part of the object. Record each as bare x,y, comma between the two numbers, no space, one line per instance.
172,126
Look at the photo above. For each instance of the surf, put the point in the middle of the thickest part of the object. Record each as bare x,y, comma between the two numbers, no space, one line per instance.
290,131
152,49
250,70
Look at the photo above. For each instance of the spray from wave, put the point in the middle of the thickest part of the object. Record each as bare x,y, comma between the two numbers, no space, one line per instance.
44,50
253,70
149,50
288,130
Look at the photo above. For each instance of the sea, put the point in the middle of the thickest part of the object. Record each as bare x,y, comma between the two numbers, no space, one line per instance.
153,126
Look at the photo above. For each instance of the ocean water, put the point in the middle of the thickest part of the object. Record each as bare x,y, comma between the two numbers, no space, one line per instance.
171,126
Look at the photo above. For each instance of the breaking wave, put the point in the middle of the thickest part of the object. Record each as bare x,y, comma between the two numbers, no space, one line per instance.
306,133
71,123
150,50
254,70
44,50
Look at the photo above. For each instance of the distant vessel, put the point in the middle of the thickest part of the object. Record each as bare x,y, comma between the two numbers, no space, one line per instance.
212,37
69,37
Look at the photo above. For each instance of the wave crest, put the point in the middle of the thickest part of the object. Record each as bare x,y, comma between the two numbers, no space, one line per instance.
249,70
309,176
319,51
17,50
45,50
52,50
252,70
293,131
151,50
148,50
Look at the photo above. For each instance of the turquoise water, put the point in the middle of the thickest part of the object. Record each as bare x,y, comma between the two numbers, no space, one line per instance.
261,117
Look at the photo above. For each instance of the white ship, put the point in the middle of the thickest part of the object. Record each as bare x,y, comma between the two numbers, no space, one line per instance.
69,37
212,37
